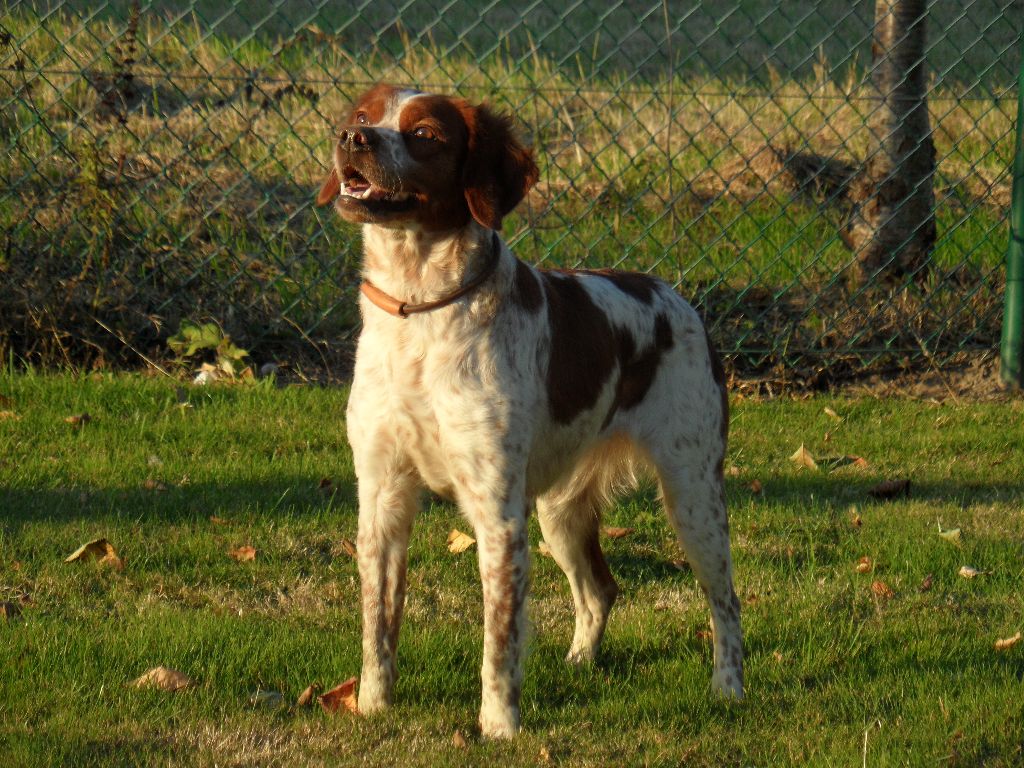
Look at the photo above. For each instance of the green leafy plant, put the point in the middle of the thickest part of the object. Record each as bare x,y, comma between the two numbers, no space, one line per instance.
193,340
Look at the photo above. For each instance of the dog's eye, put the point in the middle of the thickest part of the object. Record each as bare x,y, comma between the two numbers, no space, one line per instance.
423,132
362,119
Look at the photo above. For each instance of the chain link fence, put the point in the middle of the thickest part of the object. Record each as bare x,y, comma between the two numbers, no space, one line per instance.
160,164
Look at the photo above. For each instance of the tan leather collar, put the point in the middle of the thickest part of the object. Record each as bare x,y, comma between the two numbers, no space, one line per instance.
398,308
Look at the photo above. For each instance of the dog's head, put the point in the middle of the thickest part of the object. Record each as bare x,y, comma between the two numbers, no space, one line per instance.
407,158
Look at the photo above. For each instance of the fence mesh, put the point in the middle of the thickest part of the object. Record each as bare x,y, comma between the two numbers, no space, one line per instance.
161,162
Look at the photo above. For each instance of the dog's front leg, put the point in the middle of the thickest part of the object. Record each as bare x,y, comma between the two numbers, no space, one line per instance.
387,505
504,571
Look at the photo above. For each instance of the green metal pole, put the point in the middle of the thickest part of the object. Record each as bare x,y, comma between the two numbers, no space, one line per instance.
1012,347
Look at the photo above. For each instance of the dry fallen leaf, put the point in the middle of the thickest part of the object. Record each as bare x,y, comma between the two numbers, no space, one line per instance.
952,535
890,489
349,547
856,521
219,520
703,634
306,697
78,419
733,471
99,549
544,549
9,415
165,679
777,655
617,533
681,564
969,571
755,486
545,754
459,541
863,565
341,697
8,610
859,462
458,740
881,589
243,554
153,485
266,699
926,584
803,458
1008,642
829,412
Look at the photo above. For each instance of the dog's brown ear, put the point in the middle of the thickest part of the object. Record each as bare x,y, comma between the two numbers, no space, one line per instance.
330,189
499,170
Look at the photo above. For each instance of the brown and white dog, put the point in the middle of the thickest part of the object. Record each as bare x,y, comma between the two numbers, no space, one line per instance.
500,385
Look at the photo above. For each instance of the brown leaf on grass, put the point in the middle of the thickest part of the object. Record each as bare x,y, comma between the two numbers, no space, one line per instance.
617,533
544,755
458,740
829,412
890,489
733,471
307,696
9,416
153,485
219,520
777,655
165,679
882,590
856,521
341,698
926,583
244,553
78,420
266,699
459,542
681,564
756,487
9,610
969,571
803,458
952,535
1007,642
98,549
349,547
864,565
325,486
703,635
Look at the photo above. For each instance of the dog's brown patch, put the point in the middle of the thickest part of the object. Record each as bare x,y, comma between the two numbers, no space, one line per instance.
526,288
718,374
636,284
637,371
583,353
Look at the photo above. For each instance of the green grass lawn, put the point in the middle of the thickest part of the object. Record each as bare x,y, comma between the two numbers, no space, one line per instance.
838,673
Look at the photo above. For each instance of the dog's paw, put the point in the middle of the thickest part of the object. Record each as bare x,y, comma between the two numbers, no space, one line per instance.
372,698
728,684
581,656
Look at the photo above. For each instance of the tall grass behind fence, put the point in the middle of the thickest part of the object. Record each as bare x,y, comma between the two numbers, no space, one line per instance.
160,164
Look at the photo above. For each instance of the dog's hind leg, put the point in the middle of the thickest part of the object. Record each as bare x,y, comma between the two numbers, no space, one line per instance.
570,528
694,497
570,517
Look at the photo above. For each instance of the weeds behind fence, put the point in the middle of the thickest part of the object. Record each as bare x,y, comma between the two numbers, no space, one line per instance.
161,164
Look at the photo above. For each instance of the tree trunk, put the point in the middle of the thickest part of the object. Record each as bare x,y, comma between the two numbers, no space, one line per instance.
891,229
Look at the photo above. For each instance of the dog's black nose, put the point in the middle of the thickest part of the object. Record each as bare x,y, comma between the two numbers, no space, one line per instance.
356,139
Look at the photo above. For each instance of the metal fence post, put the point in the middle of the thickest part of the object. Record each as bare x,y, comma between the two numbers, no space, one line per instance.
1012,347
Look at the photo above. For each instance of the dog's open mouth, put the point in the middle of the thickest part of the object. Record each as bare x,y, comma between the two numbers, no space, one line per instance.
357,187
